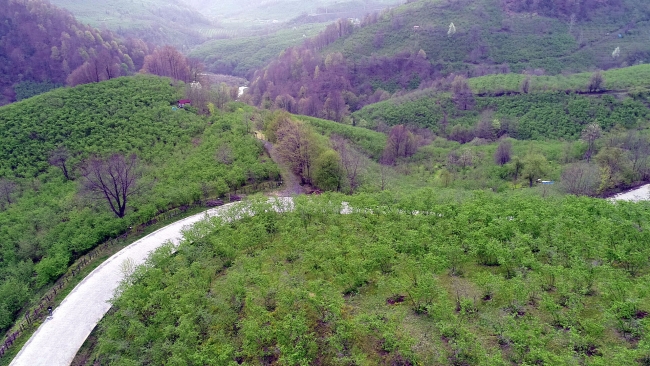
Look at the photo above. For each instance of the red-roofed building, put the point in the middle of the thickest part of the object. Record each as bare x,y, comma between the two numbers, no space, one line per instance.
183,102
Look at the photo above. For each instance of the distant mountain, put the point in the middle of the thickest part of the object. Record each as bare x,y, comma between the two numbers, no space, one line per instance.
233,11
412,46
155,21
191,22
41,46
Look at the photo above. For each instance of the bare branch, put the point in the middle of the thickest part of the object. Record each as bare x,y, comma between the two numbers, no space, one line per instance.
114,179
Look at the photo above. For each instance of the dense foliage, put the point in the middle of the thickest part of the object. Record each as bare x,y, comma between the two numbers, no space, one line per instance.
28,89
42,43
550,115
46,220
622,79
243,55
428,278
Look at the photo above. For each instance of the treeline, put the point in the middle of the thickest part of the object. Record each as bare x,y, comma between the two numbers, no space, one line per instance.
44,44
328,161
57,146
302,81
480,279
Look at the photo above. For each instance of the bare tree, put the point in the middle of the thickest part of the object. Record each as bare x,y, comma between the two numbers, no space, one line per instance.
590,134
113,179
461,93
639,153
350,160
401,143
504,150
196,69
59,158
224,154
581,179
384,171
167,61
296,147
7,189
96,69
596,81
525,85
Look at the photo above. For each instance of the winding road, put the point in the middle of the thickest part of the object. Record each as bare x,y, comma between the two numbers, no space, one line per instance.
57,340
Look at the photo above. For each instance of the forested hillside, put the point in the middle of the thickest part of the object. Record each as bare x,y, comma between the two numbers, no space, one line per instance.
418,44
241,56
156,21
434,278
550,108
57,145
42,45
249,13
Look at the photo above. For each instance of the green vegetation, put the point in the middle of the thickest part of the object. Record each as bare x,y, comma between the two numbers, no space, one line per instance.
549,115
433,278
488,37
616,79
46,220
242,56
28,89
370,142
156,21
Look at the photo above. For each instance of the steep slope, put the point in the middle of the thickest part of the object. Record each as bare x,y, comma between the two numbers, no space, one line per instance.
49,217
261,11
413,45
41,45
553,107
434,278
155,21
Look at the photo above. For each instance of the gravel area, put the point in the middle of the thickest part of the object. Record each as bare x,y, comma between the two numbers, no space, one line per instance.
639,194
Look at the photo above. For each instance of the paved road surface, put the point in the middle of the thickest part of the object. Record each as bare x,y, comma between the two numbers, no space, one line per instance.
640,194
57,341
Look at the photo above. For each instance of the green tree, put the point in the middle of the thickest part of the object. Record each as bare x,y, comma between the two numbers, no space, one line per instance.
328,172
535,166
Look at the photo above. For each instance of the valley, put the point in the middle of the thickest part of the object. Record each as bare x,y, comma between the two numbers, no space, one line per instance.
467,182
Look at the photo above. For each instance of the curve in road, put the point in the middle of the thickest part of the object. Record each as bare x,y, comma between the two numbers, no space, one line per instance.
57,340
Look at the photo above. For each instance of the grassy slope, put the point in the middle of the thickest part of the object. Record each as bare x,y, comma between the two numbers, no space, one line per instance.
480,279
622,79
240,56
157,21
494,37
369,142
49,222
547,112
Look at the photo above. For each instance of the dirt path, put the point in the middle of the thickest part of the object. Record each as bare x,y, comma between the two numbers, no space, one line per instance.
291,182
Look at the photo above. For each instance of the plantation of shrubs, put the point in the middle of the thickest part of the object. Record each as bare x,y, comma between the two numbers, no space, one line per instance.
433,277
48,218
